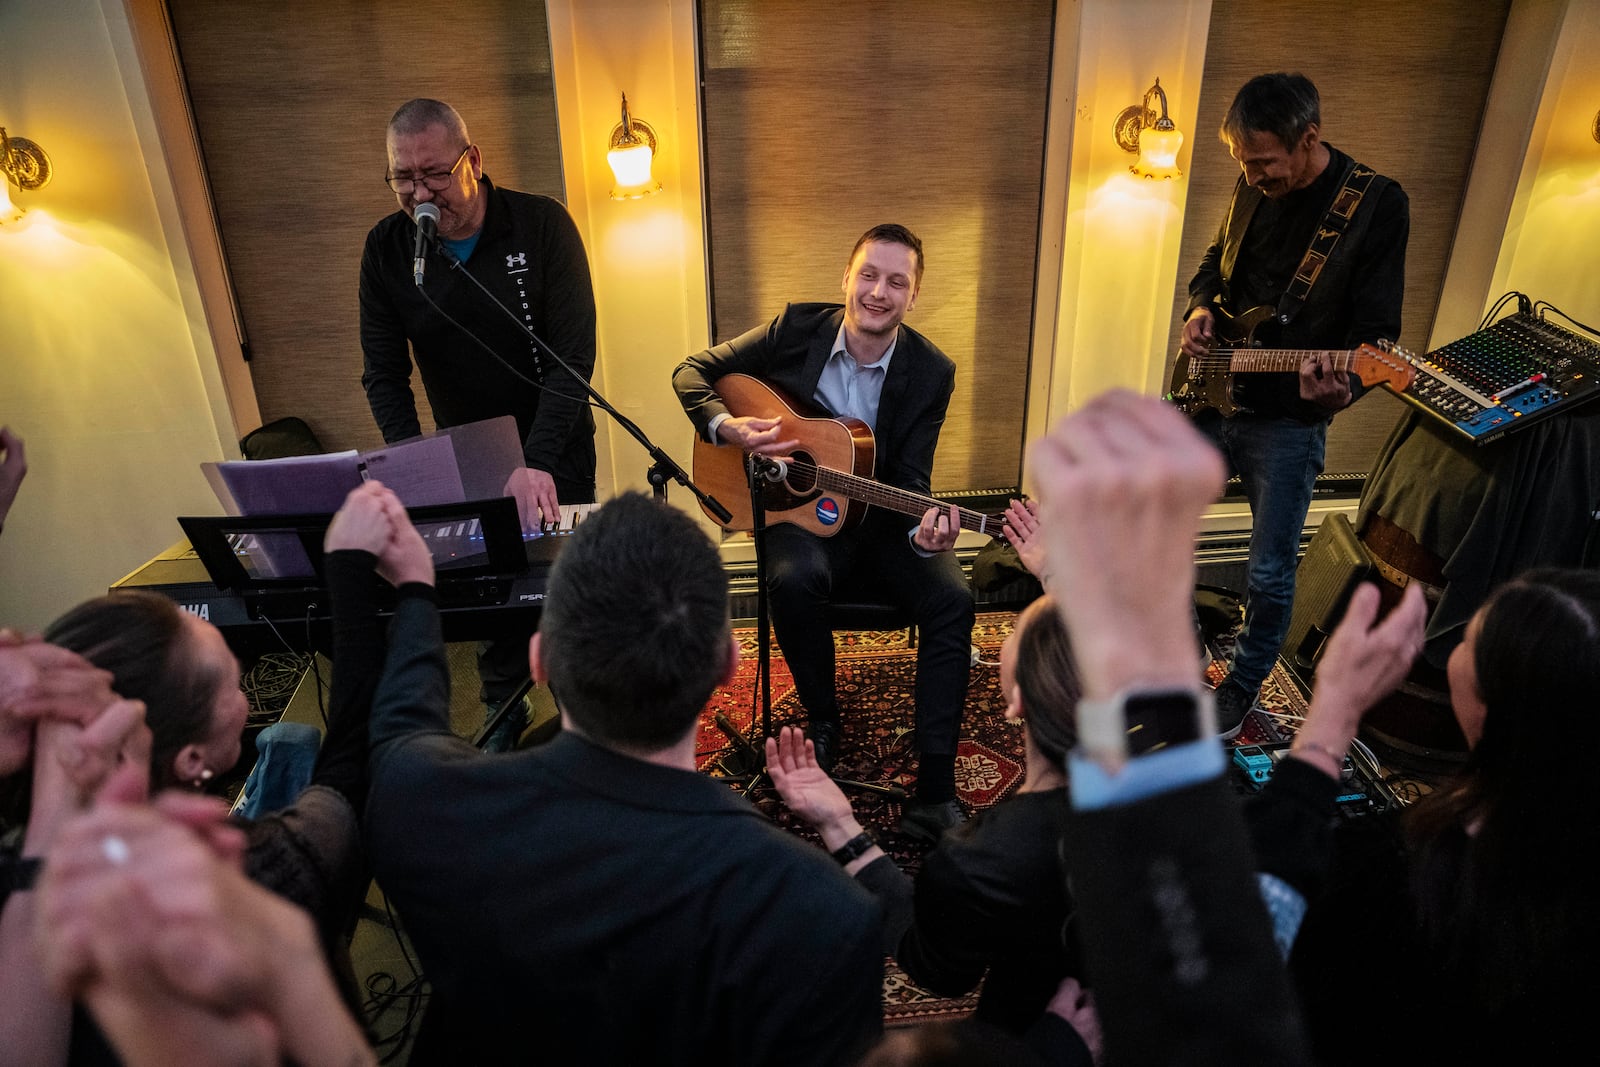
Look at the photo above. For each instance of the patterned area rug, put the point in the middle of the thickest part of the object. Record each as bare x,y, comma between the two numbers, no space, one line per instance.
876,676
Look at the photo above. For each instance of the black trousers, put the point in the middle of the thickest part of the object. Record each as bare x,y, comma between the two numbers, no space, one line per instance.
803,571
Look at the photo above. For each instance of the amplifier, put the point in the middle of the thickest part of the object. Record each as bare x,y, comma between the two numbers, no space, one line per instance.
1334,564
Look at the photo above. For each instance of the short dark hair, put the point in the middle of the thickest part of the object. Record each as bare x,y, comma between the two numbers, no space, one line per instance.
893,233
1284,105
635,628
1047,679
142,640
418,114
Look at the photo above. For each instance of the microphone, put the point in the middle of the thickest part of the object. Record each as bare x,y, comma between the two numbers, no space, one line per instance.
426,217
771,468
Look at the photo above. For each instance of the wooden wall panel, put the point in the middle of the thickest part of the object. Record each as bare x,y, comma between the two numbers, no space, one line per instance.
1403,87
291,98
826,117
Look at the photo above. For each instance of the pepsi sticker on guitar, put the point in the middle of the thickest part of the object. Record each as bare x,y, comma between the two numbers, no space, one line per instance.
827,511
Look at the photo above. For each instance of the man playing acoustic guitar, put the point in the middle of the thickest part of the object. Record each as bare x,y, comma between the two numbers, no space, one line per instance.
858,361
1320,241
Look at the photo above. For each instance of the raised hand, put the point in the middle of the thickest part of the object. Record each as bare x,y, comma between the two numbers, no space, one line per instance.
405,557
177,954
1022,530
805,786
13,468
1122,485
1363,662
361,521
40,681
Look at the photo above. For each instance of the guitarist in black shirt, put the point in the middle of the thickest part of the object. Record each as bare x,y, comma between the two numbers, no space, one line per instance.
1320,240
859,361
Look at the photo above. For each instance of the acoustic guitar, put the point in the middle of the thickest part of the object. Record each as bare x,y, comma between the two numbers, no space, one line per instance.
1202,382
824,485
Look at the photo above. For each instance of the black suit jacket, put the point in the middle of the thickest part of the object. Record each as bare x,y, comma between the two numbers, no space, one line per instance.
790,352
1177,943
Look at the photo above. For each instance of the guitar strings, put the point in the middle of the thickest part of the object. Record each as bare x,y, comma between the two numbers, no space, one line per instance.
886,495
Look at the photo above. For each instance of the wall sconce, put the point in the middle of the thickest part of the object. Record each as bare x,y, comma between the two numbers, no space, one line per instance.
632,150
1139,129
23,164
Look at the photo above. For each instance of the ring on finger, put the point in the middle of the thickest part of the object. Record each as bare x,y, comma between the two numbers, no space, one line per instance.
114,849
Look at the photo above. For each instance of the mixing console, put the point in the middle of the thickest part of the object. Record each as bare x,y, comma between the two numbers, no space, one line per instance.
1517,371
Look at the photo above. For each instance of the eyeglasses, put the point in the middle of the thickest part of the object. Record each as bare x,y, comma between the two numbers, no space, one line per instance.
436,182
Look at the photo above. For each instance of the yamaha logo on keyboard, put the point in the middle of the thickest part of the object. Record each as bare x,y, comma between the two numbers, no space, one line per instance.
201,610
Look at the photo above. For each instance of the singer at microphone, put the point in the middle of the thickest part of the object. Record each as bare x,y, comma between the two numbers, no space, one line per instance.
474,361
426,216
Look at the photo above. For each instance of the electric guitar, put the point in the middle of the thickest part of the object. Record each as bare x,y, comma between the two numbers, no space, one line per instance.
824,485
1201,382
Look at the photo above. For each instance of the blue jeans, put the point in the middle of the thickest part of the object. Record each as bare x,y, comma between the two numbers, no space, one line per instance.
1278,460
286,754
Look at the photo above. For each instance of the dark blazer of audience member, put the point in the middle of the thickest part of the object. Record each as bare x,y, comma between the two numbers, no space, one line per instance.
595,897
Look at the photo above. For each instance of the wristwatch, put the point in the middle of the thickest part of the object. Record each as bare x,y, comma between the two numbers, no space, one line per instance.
1139,720
853,849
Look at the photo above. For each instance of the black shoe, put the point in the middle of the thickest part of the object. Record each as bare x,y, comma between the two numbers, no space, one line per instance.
508,731
824,737
1234,704
928,822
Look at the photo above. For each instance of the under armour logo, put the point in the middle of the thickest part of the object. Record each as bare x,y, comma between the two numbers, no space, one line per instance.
518,260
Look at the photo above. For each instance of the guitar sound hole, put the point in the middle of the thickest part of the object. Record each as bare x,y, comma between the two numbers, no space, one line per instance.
802,481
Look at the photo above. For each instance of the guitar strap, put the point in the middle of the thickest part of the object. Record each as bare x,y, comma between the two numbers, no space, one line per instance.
1357,181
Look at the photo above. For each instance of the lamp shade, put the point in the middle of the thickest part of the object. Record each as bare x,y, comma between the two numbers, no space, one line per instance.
630,165
1158,152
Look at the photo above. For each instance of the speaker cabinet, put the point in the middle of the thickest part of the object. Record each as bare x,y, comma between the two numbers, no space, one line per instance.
1333,565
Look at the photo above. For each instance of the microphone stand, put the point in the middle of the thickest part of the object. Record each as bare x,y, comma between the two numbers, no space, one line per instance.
663,468
747,760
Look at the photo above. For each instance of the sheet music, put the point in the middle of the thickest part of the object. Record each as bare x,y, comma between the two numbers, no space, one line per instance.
421,471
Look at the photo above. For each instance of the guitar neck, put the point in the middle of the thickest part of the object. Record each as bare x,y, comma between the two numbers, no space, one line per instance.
903,501
1268,360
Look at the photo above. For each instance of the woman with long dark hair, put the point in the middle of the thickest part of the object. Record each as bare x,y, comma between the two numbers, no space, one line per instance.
1467,926
182,670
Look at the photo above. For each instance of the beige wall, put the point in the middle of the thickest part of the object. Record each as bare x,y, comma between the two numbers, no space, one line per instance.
1552,230
106,368
647,256
105,362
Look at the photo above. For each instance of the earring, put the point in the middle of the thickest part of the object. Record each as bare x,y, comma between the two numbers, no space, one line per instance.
205,776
